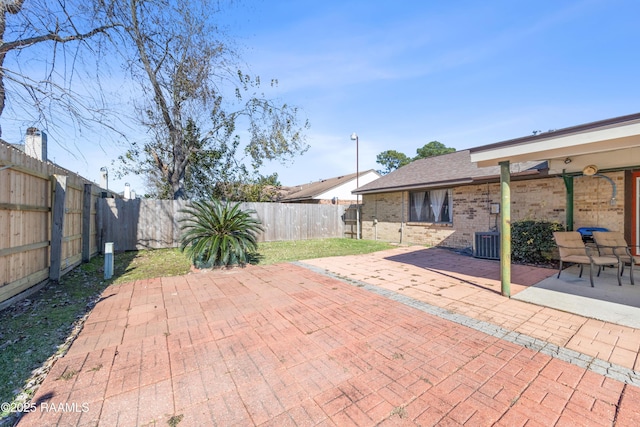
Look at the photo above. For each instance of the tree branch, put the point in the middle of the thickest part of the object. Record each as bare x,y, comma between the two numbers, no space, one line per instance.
12,8
17,44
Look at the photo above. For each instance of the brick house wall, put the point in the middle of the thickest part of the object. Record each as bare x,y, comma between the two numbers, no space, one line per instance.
539,199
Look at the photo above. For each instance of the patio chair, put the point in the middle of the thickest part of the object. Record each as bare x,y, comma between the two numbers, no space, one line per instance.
610,243
572,249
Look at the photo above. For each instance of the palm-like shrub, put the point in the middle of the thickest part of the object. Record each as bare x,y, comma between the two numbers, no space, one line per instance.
218,233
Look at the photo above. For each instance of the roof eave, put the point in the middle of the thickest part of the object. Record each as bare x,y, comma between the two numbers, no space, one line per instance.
415,186
605,135
297,199
514,175
450,183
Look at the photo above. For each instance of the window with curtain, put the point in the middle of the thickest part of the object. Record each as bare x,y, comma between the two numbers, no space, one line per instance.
431,206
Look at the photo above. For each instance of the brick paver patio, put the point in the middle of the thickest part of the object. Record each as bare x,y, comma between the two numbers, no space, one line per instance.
291,345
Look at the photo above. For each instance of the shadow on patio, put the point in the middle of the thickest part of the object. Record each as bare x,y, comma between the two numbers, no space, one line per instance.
474,271
605,301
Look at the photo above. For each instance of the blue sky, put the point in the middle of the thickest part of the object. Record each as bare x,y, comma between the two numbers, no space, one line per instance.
465,73
403,73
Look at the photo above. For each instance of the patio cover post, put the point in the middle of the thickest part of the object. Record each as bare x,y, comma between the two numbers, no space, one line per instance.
505,228
568,183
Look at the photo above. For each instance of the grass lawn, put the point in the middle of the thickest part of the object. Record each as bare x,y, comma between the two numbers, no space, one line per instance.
37,329
275,252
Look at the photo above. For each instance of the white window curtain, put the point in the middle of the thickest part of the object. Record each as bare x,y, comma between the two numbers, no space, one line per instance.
418,200
437,200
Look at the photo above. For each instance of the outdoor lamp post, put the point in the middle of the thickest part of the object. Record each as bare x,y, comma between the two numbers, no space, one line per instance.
354,137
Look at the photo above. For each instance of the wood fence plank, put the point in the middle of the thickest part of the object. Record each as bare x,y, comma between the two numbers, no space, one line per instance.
26,220
15,287
24,248
138,224
19,207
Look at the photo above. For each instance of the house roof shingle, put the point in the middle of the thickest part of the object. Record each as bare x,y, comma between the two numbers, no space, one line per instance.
313,189
444,170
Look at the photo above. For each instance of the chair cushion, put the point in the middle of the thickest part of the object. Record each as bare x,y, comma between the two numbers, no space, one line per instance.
578,259
610,243
604,260
597,260
569,243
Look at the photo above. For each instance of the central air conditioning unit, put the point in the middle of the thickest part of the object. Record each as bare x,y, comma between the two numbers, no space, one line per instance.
487,245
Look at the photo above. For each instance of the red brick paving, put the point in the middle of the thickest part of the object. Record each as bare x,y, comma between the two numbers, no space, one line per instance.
281,345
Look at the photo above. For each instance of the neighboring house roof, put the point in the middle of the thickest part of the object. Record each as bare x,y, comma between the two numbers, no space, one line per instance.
314,189
444,171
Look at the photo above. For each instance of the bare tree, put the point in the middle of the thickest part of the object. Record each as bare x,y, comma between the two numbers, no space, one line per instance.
25,24
189,72
184,67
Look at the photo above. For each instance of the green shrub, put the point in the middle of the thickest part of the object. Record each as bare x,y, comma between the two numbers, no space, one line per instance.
217,234
532,241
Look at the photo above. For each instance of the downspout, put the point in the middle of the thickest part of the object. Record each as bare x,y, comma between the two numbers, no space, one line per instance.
375,220
568,183
402,217
505,228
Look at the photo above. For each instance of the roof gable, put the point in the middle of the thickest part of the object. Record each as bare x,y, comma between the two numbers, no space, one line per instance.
314,189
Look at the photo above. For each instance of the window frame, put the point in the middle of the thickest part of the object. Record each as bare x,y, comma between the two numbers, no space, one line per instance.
447,207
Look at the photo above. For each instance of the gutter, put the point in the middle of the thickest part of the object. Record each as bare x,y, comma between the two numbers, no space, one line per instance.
414,186
449,183
573,130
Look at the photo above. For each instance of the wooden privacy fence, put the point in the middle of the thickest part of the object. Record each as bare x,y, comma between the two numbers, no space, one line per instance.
351,222
139,224
47,221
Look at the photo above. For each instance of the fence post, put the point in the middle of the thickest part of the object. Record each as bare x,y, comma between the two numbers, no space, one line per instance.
57,224
86,223
100,220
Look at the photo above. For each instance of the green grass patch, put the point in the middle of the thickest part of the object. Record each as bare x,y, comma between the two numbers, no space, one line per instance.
142,265
275,252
